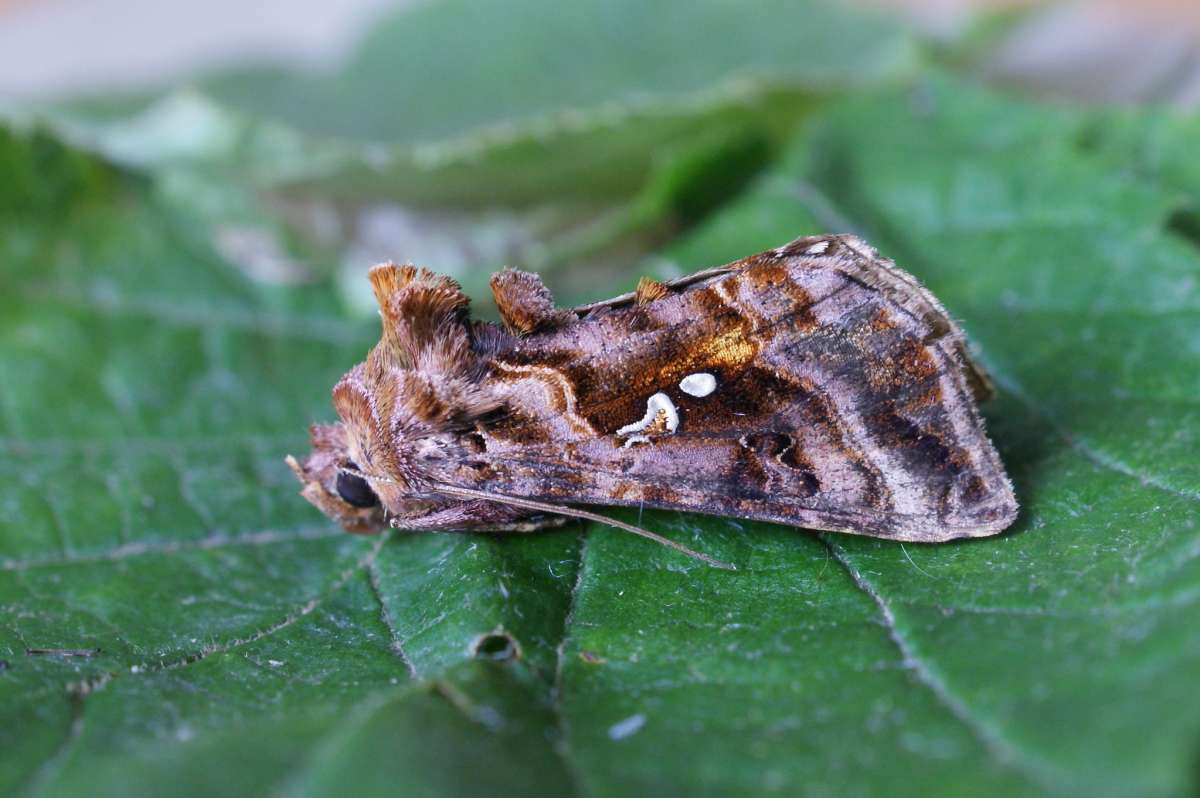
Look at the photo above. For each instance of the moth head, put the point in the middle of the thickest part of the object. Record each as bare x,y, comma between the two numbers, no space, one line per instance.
331,484
403,410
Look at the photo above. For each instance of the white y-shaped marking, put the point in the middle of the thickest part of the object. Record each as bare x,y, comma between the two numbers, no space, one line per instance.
658,403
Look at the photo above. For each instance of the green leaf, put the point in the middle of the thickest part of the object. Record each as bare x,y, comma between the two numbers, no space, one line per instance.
151,388
430,73
462,102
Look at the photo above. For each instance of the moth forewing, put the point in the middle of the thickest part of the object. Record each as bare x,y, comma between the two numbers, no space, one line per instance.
815,385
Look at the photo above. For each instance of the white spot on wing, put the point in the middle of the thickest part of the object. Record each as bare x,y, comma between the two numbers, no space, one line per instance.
817,248
658,403
699,384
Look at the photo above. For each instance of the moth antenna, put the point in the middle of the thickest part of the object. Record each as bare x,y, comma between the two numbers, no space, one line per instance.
533,504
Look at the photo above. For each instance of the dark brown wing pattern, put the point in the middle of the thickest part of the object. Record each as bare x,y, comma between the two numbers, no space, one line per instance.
842,401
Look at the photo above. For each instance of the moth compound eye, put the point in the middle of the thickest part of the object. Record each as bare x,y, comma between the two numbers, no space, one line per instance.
354,490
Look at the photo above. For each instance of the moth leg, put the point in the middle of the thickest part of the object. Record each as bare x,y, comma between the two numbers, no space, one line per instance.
533,523
526,304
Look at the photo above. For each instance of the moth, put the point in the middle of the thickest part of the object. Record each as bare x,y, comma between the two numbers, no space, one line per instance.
815,385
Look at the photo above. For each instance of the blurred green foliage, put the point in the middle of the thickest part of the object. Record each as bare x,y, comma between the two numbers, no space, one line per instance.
178,276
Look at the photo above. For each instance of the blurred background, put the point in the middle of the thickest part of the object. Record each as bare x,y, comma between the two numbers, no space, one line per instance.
1113,50
375,130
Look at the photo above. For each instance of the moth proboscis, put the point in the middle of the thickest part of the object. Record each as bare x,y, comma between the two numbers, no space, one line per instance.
815,385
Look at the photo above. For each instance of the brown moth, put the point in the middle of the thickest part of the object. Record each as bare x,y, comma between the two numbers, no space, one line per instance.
815,385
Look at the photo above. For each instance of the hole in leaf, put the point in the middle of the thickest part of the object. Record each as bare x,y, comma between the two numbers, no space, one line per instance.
1185,223
498,645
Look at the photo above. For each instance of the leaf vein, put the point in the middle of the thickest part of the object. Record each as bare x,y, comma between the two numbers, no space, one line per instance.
1003,750
168,547
562,746
52,766
1094,456
385,615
